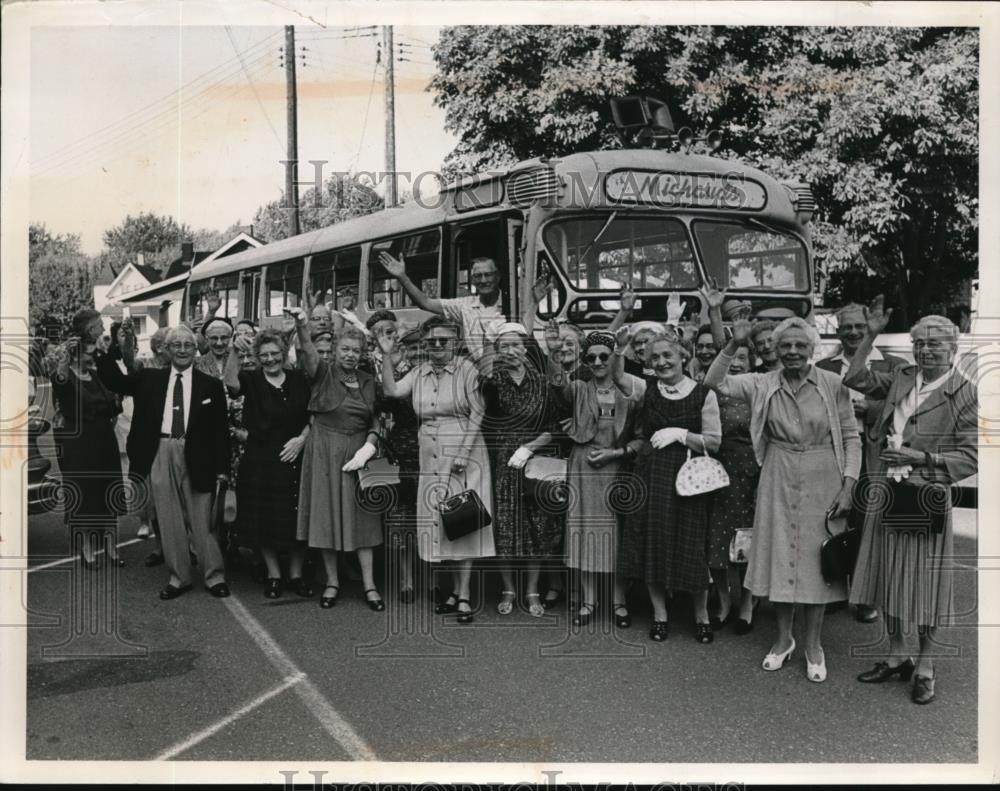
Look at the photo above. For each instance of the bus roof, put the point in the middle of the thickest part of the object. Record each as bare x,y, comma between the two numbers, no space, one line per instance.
583,177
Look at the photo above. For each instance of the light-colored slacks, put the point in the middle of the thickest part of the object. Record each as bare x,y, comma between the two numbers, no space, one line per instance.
183,515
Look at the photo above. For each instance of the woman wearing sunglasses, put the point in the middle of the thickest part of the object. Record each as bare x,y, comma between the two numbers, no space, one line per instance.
453,456
601,426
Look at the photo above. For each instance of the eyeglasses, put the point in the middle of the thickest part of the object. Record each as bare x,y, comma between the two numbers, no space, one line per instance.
183,347
603,357
439,342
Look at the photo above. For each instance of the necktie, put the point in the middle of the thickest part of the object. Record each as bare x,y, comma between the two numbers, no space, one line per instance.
177,426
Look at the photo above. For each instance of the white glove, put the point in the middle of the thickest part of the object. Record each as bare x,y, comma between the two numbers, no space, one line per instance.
668,436
520,458
361,458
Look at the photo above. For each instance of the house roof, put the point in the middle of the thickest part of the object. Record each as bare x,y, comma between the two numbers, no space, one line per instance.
179,266
151,273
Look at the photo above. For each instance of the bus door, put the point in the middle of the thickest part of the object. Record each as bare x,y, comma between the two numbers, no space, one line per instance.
488,238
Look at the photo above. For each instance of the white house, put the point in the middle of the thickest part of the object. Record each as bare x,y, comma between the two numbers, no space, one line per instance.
158,303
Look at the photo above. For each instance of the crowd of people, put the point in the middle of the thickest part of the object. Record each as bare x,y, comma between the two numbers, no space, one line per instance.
291,421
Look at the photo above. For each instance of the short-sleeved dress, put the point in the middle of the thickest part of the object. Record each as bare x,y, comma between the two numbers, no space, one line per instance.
89,461
517,413
332,514
799,480
664,541
444,400
732,507
267,488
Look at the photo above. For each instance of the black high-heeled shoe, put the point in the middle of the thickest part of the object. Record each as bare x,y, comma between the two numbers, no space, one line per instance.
583,618
301,587
882,672
703,633
658,631
374,604
449,605
326,602
743,626
622,621
551,601
464,616
273,588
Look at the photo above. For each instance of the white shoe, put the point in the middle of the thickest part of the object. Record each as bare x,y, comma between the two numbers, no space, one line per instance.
145,531
816,672
776,661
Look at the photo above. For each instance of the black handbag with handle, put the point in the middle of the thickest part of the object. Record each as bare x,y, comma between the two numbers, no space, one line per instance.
462,514
839,552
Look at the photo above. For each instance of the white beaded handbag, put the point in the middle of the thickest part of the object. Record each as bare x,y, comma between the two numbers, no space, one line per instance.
701,474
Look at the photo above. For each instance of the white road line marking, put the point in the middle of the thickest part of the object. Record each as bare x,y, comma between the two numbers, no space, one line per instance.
200,736
71,558
335,725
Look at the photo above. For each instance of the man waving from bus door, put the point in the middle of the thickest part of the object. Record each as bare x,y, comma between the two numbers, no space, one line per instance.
479,315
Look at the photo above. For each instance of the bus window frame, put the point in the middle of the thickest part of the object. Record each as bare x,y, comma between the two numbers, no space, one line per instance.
375,246
507,221
629,213
761,227
285,291
310,286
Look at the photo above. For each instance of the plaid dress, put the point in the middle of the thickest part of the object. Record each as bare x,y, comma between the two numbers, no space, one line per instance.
664,541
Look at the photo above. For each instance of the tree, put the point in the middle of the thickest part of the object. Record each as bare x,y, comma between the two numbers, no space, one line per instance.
60,278
158,238
342,198
882,122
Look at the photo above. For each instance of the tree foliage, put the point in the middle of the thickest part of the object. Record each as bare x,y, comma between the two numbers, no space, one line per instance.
60,279
342,197
882,122
157,237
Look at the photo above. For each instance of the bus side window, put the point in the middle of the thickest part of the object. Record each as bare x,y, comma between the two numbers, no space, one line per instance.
284,287
480,240
251,295
421,252
336,276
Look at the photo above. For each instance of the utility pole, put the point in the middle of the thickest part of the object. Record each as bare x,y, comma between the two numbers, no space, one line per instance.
291,172
390,115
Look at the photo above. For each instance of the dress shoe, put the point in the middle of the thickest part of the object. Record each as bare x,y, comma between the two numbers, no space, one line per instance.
407,595
145,531
703,633
816,672
273,589
219,590
464,616
326,602
374,604
882,672
172,591
923,689
449,605
583,618
301,587
742,626
153,559
552,597
622,618
659,630
865,614
777,661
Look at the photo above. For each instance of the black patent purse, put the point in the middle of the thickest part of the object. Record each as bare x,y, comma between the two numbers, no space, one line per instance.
462,514
838,553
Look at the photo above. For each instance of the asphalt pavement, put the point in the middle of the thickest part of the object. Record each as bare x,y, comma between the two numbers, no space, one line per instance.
116,673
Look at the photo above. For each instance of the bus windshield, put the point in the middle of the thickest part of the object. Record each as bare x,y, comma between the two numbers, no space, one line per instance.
608,251
749,257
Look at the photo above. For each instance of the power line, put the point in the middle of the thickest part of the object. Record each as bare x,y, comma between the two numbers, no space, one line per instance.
364,125
128,137
252,86
186,87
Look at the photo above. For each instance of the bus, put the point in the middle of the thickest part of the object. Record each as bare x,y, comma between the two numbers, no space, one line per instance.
658,221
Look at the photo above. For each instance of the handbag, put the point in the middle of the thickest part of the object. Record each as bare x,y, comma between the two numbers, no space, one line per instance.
378,482
739,545
462,514
700,474
545,481
229,509
839,552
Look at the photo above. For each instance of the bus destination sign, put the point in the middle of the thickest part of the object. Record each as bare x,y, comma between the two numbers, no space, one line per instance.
696,190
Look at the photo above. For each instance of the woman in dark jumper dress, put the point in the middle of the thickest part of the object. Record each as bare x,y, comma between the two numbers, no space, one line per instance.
276,420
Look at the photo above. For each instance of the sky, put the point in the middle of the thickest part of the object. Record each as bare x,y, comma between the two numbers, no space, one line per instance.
171,120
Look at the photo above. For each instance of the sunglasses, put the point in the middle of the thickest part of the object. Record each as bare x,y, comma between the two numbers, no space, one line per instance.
439,342
603,357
